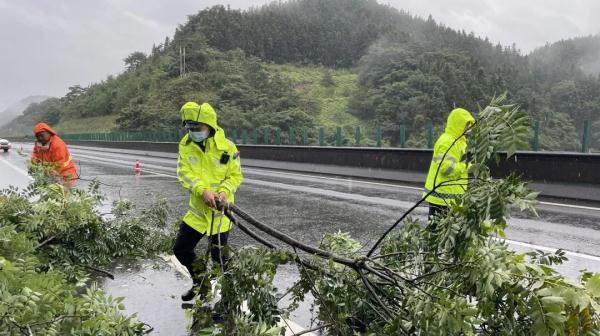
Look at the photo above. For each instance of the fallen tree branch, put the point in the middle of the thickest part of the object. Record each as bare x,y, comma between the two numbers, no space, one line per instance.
319,327
409,211
291,241
101,271
46,241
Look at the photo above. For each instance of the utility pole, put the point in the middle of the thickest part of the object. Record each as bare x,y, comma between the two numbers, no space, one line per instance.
181,61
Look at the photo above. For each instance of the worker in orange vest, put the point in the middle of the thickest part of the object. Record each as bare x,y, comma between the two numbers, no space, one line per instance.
50,149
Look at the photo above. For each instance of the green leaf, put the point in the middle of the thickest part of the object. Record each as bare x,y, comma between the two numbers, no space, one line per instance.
593,285
537,284
553,300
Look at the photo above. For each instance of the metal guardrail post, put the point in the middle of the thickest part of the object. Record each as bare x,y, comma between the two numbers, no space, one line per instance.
338,136
402,141
429,135
244,136
357,136
278,136
378,136
292,136
255,136
586,136
304,136
321,136
535,143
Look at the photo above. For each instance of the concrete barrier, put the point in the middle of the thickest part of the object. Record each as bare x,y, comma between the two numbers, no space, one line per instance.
572,175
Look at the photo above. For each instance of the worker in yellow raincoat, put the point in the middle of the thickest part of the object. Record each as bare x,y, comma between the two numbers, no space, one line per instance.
448,173
209,168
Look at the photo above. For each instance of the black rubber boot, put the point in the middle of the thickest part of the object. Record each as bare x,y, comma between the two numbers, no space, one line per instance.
190,294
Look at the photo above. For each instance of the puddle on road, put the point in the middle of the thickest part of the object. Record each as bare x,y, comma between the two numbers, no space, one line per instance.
151,290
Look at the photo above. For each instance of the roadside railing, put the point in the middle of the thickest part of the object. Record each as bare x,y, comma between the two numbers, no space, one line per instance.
398,137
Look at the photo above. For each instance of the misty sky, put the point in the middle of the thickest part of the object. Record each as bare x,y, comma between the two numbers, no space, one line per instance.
49,45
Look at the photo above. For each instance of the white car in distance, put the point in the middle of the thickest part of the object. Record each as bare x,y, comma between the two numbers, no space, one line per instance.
5,145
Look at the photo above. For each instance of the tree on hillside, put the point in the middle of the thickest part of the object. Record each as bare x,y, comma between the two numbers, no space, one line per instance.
403,82
134,60
75,92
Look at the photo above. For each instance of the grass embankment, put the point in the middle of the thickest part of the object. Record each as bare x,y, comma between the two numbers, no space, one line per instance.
87,125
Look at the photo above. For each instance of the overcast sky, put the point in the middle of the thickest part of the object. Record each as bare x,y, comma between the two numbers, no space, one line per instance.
49,45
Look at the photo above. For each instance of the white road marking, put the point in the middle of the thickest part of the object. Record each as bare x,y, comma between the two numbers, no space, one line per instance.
173,262
549,249
313,190
340,179
412,188
571,206
117,163
21,171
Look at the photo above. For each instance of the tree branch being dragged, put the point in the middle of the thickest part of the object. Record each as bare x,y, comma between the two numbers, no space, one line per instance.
456,279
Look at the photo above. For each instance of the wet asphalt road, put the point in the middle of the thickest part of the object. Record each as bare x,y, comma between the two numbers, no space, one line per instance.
304,206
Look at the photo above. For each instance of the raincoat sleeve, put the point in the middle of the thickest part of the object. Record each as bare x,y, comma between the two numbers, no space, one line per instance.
186,177
60,155
234,176
450,165
35,154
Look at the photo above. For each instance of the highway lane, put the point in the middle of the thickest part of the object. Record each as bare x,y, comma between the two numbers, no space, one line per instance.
323,201
307,205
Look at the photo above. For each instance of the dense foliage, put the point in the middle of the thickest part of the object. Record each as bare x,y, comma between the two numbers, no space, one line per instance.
408,82
410,71
452,275
51,238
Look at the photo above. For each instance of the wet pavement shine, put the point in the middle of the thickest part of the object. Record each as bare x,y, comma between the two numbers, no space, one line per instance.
302,205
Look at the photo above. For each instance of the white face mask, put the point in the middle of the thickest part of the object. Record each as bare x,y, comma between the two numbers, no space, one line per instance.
198,136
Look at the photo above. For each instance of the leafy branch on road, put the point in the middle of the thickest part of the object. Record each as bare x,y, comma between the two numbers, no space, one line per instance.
51,237
451,276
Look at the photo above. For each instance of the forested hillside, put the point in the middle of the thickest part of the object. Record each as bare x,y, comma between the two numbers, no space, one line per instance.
16,109
405,70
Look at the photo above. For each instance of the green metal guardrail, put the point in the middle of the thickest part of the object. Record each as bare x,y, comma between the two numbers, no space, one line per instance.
304,136
263,136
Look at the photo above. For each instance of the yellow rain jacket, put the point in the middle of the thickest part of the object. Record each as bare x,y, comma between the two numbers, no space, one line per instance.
199,170
450,167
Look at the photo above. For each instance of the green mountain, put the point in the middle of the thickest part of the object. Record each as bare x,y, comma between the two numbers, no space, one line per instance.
566,56
308,63
17,108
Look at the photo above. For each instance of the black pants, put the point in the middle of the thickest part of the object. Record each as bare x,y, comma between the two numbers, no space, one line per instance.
185,243
435,210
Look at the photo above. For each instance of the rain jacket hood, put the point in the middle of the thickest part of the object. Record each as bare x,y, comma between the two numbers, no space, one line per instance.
205,114
448,172
40,127
457,121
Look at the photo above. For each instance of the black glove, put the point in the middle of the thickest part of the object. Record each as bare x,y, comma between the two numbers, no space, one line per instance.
467,157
